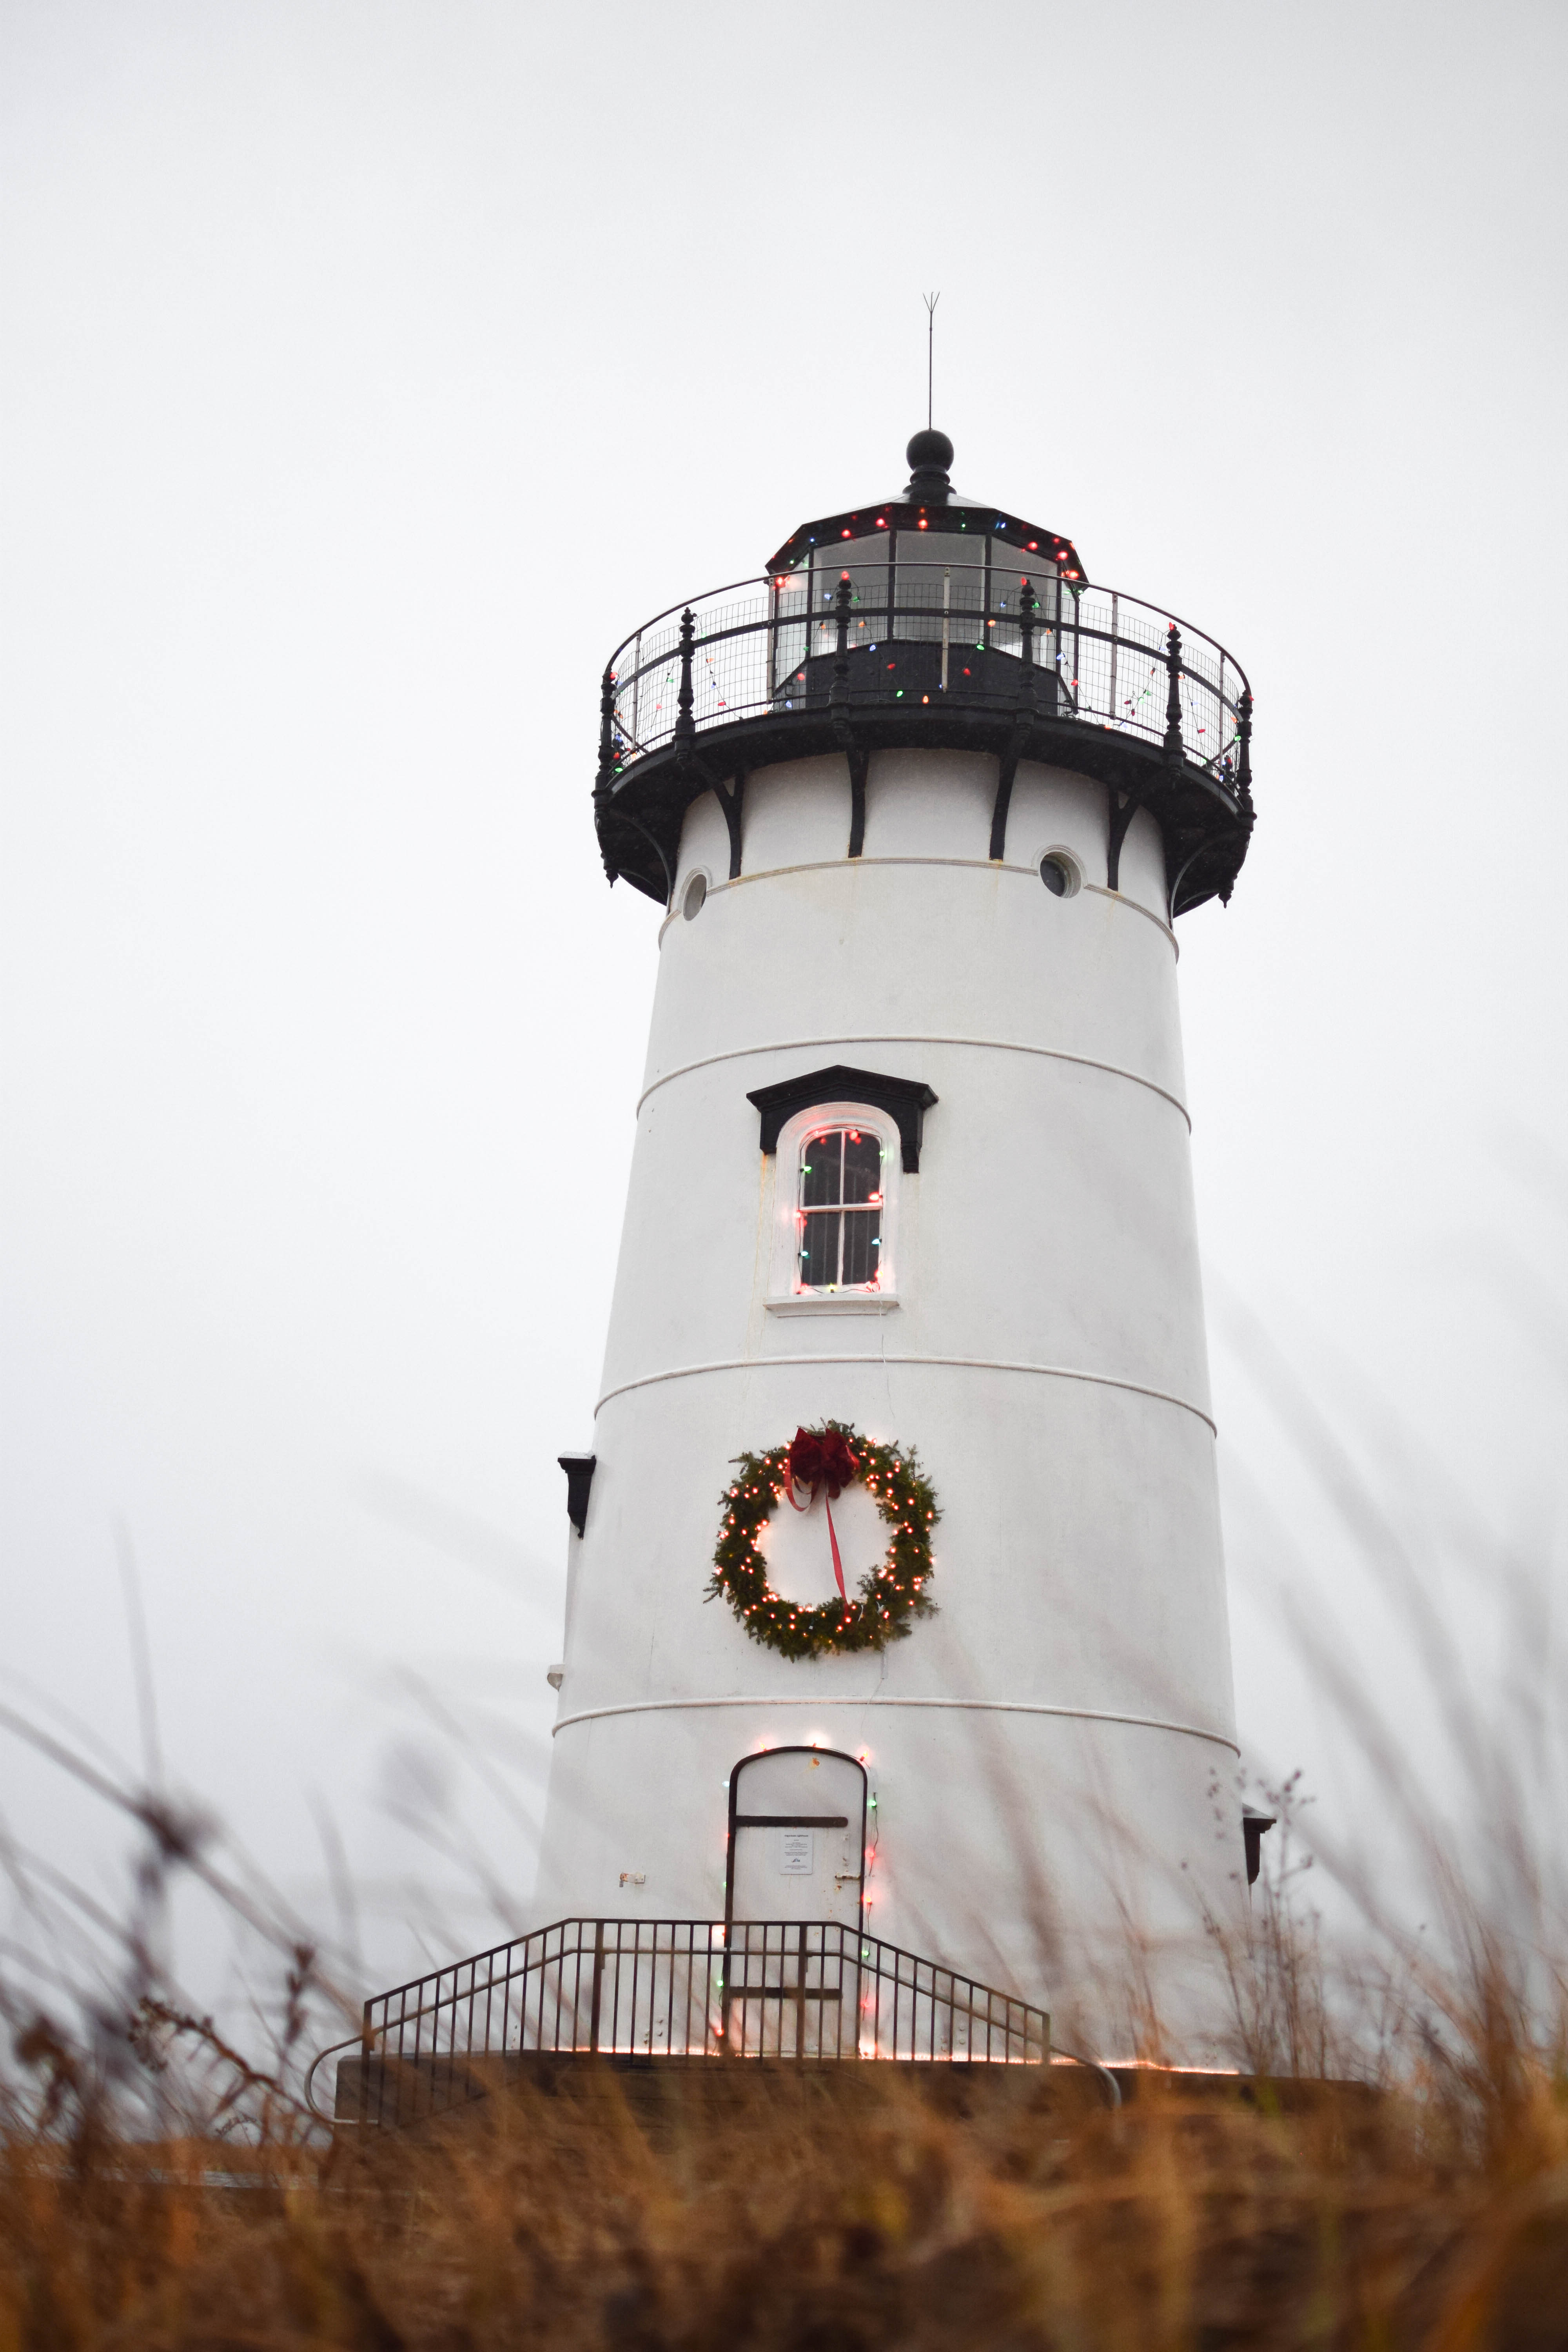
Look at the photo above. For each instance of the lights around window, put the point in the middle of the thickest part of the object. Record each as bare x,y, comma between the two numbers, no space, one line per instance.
840,1210
837,1184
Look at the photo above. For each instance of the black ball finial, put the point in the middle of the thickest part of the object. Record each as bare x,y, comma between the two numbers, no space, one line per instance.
929,452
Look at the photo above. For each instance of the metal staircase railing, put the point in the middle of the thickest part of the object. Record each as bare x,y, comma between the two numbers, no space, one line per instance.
807,1989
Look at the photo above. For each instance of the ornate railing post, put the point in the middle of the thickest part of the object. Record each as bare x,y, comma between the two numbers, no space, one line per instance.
1023,718
1243,755
606,736
1173,747
685,724
838,692
1028,605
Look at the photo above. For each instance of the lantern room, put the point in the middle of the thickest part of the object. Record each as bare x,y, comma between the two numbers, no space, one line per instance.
930,619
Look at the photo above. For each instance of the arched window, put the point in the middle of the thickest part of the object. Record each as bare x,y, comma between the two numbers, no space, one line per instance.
840,1201
837,1172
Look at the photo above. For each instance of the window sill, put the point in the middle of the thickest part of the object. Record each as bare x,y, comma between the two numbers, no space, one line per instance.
836,1302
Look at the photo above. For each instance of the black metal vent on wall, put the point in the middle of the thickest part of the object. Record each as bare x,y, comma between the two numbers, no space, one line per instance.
579,1469
907,1100
1254,1827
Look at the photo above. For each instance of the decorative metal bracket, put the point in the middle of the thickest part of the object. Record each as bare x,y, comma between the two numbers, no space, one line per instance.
859,765
1007,760
839,717
730,802
1006,768
624,817
1179,877
1119,818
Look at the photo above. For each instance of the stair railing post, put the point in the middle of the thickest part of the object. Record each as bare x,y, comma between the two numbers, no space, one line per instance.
1174,747
598,1957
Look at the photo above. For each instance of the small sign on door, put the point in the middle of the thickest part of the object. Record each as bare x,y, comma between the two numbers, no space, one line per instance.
794,1852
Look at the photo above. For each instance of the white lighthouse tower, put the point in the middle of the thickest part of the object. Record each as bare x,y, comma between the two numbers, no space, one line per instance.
911,1166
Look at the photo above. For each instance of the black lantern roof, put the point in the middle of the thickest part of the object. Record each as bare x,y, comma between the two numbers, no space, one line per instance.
930,503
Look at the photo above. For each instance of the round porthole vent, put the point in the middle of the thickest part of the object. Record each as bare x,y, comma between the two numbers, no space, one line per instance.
1059,873
694,896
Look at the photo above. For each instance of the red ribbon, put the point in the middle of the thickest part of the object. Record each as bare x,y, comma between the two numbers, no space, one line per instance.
821,1459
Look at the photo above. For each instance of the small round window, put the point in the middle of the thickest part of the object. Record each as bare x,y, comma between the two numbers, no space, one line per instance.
1059,874
696,894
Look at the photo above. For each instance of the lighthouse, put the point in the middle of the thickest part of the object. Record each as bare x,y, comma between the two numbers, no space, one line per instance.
895,1598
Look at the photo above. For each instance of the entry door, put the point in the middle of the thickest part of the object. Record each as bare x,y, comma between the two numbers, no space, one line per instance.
798,1836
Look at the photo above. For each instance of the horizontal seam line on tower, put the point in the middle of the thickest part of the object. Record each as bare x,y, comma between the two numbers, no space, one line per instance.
976,1705
987,1045
955,1363
974,865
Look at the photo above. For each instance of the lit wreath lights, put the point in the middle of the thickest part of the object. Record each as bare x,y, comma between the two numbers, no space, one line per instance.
890,1596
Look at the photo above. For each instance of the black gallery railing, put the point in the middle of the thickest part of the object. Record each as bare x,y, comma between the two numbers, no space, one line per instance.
924,633
672,1987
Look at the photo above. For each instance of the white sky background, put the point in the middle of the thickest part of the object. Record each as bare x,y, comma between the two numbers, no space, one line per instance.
370,369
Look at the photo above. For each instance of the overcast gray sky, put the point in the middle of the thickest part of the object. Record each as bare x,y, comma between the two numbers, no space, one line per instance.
369,370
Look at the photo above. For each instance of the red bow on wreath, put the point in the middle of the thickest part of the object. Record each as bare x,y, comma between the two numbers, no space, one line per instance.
821,1459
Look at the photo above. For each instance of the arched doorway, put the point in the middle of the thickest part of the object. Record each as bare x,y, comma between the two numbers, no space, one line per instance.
797,1837
793,1896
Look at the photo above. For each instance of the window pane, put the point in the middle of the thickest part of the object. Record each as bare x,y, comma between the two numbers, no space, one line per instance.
819,1250
820,1171
862,1166
862,1236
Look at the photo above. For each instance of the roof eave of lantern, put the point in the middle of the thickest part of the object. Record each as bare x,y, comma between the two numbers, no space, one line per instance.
970,520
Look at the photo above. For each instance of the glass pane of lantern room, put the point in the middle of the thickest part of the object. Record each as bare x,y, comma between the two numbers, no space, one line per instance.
944,571
791,605
918,591
1008,581
865,562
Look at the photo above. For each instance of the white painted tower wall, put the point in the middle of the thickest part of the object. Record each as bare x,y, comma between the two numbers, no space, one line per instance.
1052,1755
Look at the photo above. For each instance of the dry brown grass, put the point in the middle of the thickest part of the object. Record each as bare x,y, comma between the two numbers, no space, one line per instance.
727,2205
162,2188
801,2220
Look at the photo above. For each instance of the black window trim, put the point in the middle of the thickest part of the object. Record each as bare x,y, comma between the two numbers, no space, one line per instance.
906,1101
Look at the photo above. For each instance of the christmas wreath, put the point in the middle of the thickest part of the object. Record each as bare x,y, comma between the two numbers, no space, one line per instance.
826,1460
